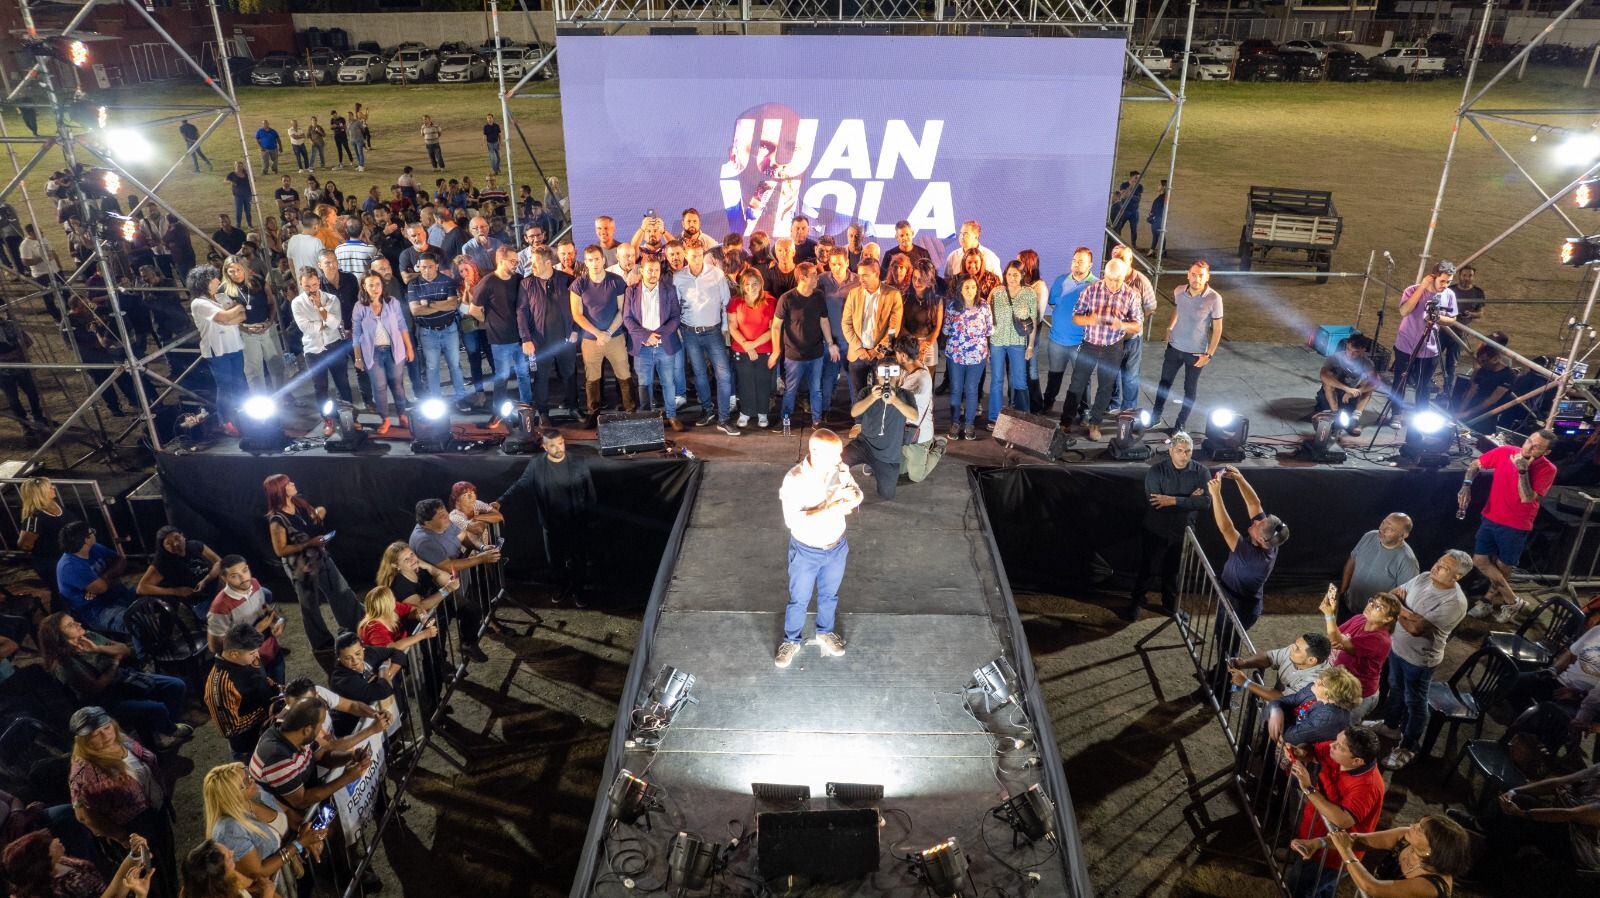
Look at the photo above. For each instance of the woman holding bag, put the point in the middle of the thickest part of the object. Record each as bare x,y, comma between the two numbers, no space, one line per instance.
1016,314
299,537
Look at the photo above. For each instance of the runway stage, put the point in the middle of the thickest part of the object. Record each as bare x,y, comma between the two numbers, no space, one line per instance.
923,604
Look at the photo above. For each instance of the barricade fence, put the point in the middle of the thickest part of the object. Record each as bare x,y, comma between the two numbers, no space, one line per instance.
1269,795
80,500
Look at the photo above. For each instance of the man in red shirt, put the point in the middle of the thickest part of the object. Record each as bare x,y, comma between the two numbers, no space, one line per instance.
1343,787
1361,644
1525,476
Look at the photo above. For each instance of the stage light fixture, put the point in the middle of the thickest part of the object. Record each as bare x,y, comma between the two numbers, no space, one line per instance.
130,230
111,181
629,798
347,434
1587,196
1128,444
1030,814
1323,446
1227,432
997,680
1428,439
129,146
1579,251
690,862
1579,149
944,869
855,791
78,52
785,792
259,427
430,426
670,692
521,421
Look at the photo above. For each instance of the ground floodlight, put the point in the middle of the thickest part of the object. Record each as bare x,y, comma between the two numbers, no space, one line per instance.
1323,446
1227,432
129,146
944,869
997,681
524,437
1579,149
1428,439
629,798
1128,444
690,862
670,691
347,434
430,427
787,792
259,427
855,791
1029,813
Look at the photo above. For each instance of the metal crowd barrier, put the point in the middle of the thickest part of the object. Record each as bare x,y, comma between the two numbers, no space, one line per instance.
80,499
1268,794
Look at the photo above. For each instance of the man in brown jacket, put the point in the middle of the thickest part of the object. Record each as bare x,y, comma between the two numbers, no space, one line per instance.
872,313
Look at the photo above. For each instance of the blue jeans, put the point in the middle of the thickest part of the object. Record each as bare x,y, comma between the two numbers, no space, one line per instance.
153,710
444,341
509,359
476,343
494,158
317,157
651,363
680,374
830,376
809,371
964,381
1408,700
359,150
1004,358
228,372
1125,396
812,568
386,376
241,211
698,347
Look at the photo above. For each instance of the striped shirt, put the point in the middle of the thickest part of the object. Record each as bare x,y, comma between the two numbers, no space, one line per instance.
430,133
1100,301
355,257
279,767
426,291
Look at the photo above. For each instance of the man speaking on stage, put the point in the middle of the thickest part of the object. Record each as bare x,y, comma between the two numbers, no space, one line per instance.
816,494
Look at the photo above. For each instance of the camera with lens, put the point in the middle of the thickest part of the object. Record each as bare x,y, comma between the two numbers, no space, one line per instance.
1434,308
886,375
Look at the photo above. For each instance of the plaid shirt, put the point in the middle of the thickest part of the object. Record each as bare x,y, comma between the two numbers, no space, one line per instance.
1099,300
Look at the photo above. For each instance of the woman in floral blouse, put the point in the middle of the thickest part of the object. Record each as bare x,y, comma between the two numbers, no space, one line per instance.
37,866
117,789
968,323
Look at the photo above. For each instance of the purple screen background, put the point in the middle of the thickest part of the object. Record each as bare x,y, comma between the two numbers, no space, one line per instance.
1026,144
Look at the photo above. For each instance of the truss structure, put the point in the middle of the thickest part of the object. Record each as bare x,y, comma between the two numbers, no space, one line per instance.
80,143
1071,14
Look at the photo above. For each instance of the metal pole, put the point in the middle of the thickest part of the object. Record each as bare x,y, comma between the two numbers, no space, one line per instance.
1177,126
1571,186
1579,327
1588,77
238,118
505,116
1455,134
1361,304
1577,231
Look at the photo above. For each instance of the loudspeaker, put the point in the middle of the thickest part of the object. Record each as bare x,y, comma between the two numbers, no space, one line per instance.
625,432
1038,434
827,845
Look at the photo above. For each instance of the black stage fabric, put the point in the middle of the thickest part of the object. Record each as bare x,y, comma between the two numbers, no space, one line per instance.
217,497
1064,528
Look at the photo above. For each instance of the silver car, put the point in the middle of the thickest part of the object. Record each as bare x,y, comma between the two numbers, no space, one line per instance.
362,68
413,65
463,67
514,62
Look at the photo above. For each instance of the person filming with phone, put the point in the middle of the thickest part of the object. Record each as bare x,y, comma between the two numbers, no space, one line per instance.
881,411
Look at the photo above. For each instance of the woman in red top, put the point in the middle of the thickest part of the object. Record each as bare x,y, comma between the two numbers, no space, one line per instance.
750,328
382,623
1361,644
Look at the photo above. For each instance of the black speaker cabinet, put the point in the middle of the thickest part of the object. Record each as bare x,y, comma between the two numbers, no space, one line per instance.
1036,433
626,432
824,845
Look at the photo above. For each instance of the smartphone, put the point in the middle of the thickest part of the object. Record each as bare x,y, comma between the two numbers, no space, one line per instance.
329,535
323,818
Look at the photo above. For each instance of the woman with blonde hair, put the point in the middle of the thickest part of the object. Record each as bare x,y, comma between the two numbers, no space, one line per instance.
117,788
1316,713
382,623
43,516
263,354
418,584
248,821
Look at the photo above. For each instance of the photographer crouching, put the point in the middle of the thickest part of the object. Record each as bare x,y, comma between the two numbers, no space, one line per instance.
894,420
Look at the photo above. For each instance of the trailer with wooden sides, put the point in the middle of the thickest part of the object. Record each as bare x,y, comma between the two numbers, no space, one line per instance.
1290,220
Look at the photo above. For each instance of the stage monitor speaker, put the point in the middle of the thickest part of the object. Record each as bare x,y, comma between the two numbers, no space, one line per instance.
1038,434
622,433
826,845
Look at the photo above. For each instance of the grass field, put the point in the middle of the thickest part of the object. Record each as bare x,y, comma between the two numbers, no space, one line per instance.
1379,147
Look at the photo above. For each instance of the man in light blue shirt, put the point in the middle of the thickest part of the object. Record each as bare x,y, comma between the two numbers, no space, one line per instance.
703,328
1065,337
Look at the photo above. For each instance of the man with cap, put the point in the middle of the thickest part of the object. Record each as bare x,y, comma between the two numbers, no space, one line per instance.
1425,307
1251,556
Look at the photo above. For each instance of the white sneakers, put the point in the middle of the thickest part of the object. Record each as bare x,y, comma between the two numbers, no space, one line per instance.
1398,758
1481,611
1381,728
1508,613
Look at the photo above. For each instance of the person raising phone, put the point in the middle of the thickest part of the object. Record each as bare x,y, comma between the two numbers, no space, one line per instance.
881,411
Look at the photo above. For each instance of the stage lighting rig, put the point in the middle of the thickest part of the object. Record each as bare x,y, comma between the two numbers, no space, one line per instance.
1577,252
520,419
691,862
855,791
943,869
1227,433
997,682
788,793
1029,813
1323,445
1429,436
667,696
1587,196
1128,444
59,48
430,427
259,427
347,434
630,798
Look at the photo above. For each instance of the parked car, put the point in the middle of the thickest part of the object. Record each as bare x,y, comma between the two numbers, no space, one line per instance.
274,70
238,65
1254,46
362,68
451,47
413,65
1260,67
1155,60
370,47
1222,48
463,67
1346,66
1406,62
1209,68
1301,67
514,59
1314,47
321,67
486,49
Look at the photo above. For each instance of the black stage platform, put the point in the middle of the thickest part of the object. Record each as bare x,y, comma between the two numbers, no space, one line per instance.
923,605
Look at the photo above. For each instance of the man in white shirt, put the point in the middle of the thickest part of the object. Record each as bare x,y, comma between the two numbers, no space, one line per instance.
322,338
652,312
627,265
703,327
304,247
816,495
42,263
217,318
1433,605
969,238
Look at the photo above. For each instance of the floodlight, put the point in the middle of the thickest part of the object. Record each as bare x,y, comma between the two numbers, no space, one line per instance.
1428,439
855,791
1579,149
347,434
1587,196
944,869
670,691
1323,445
259,428
519,418
690,862
78,51
129,145
1029,813
629,798
130,230
788,792
1128,444
1227,432
111,181
997,680
1579,251
430,427
100,117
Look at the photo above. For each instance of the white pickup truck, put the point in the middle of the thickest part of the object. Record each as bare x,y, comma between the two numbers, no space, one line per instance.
1409,62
